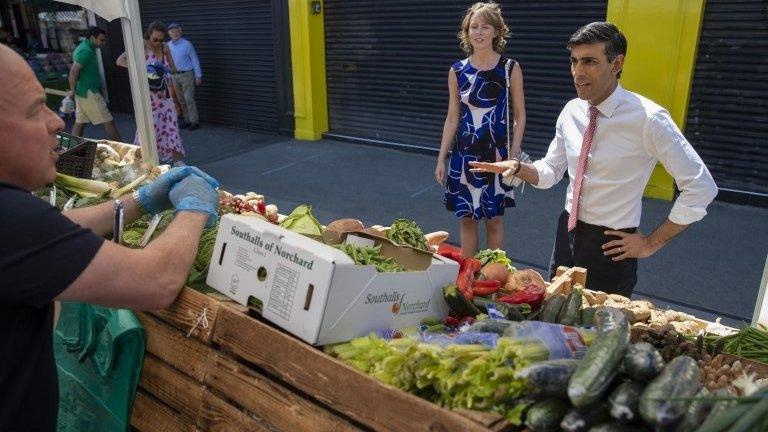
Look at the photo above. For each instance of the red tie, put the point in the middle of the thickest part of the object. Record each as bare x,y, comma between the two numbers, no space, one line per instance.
586,145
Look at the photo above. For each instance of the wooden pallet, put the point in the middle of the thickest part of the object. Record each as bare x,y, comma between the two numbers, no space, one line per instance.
238,373
565,279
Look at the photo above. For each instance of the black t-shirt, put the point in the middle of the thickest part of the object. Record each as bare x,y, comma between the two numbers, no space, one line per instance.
41,253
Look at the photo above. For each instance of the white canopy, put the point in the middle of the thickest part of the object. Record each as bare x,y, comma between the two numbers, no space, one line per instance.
128,12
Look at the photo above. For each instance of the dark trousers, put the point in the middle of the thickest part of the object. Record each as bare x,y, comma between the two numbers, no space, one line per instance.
582,247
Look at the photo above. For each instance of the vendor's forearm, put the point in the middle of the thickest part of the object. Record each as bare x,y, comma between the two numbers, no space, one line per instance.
664,233
100,218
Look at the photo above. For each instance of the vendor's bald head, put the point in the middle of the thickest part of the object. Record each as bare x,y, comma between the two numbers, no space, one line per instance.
27,126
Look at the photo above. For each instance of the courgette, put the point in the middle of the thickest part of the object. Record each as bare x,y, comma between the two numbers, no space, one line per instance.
545,416
535,315
663,402
697,412
580,420
459,304
552,308
599,366
549,377
609,318
570,313
643,362
588,317
510,312
625,401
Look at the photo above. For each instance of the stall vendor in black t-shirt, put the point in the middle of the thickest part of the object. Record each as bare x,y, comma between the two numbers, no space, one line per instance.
46,255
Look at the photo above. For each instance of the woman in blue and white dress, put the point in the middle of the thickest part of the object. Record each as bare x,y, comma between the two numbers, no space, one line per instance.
480,108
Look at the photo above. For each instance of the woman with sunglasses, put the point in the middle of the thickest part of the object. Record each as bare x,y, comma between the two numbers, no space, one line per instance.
160,65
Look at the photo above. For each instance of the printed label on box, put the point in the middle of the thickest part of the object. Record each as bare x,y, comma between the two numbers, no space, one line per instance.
283,292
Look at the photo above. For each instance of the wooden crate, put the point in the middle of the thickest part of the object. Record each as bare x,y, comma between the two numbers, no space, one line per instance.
211,366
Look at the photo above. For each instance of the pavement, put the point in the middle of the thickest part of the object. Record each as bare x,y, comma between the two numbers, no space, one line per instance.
713,269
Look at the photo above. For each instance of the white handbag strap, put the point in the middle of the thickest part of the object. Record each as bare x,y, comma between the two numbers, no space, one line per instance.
509,138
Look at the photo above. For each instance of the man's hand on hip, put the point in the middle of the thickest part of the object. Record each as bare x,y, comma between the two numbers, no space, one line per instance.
198,81
628,245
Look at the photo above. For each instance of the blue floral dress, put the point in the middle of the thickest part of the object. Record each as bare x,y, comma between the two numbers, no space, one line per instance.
482,136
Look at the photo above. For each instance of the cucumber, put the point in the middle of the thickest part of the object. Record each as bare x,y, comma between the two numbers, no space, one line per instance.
510,313
643,362
625,401
570,312
552,308
697,412
617,427
588,317
580,420
535,315
593,376
609,318
545,416
661,403
459,304
549,377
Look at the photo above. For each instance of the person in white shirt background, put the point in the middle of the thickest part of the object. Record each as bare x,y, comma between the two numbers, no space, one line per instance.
609,140
188,75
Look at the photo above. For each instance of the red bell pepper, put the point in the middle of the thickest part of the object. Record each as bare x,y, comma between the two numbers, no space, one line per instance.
531,294
451,321
467,276
485,287
453,255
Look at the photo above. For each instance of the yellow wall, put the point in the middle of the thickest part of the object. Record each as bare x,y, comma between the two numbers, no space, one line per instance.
662,37
308,64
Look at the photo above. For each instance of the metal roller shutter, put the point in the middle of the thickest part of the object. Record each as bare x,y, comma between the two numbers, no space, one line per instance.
387,65
235,41
728,109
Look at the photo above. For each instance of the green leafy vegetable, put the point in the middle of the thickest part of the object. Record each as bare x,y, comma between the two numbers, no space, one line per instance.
301,221
407,232
455,376
493,255
364,255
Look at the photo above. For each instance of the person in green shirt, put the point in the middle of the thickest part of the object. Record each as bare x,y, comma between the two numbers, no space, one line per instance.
85,86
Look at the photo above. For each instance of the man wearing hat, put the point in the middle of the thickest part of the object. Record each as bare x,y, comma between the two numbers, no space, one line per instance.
188,75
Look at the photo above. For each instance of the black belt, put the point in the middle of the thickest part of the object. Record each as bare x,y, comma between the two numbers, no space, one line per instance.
181,72
598,230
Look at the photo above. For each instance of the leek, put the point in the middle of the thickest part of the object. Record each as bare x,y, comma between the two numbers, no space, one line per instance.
83,187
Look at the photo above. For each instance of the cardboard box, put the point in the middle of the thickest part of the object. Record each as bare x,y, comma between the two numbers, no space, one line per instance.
315,291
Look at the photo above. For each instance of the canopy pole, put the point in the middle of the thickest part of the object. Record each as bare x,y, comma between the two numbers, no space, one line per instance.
137,73
130,20
761,305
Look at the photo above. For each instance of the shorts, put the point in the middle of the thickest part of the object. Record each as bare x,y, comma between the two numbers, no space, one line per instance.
91,109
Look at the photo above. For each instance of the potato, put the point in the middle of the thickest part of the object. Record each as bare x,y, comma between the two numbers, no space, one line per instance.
345,225
619,298
589,295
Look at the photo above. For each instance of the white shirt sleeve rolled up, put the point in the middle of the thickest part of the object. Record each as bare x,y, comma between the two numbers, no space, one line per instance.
697,187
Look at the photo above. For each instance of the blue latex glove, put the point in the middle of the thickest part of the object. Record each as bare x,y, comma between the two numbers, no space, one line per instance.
195,194
153,197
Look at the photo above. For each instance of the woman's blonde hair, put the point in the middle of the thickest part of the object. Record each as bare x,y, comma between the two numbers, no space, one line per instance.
491,13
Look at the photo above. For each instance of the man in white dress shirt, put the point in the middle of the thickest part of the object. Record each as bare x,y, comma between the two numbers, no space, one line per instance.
609,140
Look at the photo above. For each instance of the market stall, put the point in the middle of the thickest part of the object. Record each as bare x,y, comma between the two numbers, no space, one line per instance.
290,323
